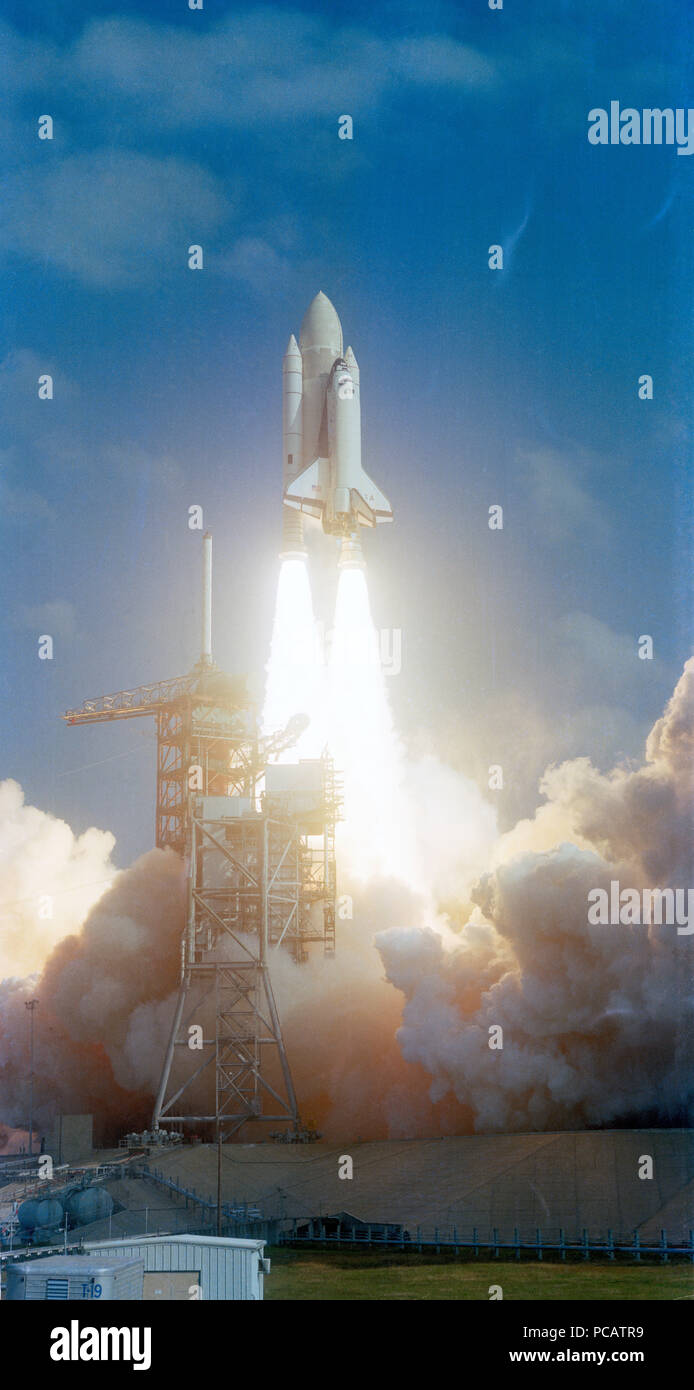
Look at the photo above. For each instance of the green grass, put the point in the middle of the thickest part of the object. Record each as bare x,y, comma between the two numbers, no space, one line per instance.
369,1275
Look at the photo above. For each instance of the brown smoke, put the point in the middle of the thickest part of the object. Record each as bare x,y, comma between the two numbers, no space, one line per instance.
104,1005
597,1021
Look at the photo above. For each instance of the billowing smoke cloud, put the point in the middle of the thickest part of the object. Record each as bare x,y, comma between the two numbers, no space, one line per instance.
105,990
597,1020
49,879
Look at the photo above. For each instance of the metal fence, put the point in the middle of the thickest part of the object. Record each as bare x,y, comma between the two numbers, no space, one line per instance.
231,1212
494,1245
131,1221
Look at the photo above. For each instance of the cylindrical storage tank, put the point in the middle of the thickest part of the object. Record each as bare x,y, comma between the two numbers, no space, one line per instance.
46,1211
49,1212
90,1204
320,342
26,1214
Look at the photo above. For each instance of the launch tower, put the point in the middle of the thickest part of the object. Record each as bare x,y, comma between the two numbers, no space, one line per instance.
257,844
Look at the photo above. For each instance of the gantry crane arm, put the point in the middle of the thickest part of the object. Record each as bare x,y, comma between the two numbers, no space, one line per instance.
129,704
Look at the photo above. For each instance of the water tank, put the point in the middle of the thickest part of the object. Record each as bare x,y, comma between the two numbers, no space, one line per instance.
49,1212
40,1213
88,1204
26,1214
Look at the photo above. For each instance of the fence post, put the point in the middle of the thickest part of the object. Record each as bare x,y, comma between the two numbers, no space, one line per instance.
637,1247
691,1242
369,1238
663,1246
539,1243
586,1251
610,1245
496,1243
516,1238
562,1242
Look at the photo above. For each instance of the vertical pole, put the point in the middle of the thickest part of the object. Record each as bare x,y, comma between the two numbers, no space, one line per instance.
219,1178
31,1004
267,981
206,654
264,905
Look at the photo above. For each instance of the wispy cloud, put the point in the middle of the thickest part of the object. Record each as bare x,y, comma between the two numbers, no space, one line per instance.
56,619
561,503
113,218
237,73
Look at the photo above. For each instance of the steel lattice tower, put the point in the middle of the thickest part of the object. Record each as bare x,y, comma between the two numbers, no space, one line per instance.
257,844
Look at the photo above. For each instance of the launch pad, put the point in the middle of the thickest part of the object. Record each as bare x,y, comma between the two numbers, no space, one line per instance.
257,844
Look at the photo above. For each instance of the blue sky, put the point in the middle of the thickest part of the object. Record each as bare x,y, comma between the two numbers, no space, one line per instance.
516,387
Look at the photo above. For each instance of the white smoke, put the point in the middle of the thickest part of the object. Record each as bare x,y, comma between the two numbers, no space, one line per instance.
103,971
49,880
598,1021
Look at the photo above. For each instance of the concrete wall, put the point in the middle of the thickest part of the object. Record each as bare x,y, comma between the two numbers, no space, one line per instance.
71,1139
569,1181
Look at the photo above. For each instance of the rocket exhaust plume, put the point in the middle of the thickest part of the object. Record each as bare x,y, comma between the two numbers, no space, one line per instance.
376,836
295,678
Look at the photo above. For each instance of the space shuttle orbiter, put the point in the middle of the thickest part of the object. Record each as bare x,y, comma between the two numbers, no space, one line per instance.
322,474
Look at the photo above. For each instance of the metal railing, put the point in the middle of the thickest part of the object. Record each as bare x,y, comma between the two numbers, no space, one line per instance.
231,1211
494,1244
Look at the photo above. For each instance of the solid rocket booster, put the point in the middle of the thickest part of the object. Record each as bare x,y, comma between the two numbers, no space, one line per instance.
322,472
292,411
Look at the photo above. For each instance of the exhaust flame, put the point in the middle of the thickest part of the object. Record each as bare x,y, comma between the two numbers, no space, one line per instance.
376,837
295,678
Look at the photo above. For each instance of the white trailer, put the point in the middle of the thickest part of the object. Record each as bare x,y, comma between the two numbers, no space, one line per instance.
76,1278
